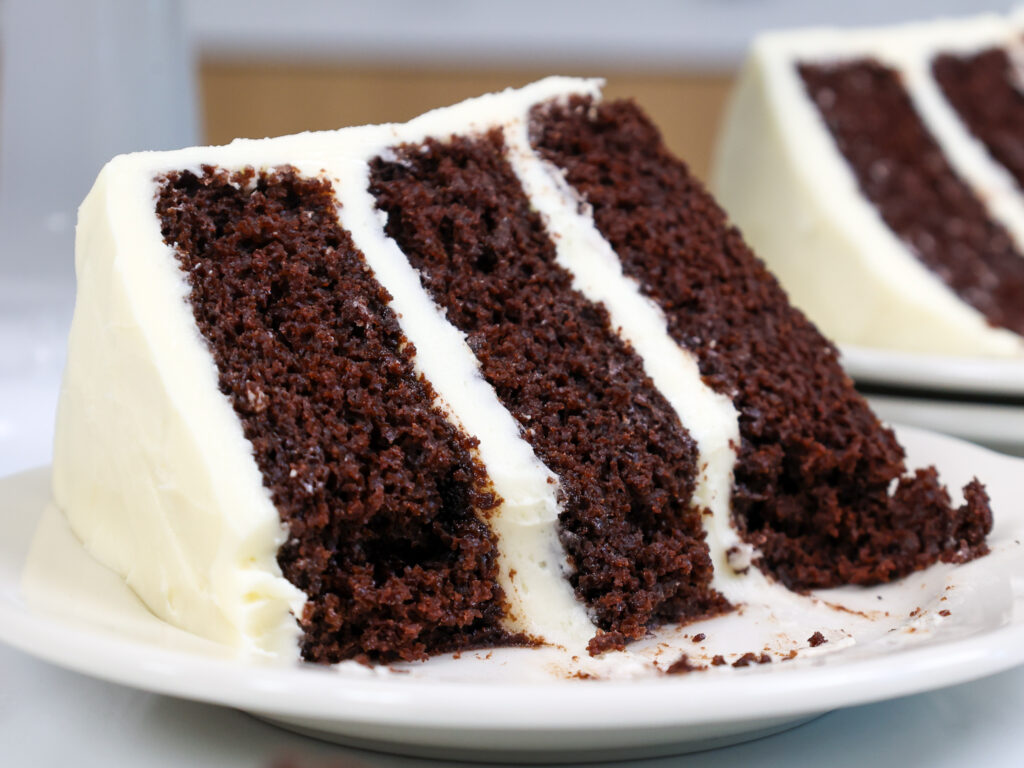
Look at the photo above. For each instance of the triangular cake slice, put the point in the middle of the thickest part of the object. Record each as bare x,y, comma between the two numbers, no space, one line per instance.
500,375
879,173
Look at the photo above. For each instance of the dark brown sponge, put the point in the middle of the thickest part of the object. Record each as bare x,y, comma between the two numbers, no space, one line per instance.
377,489
814,466
625,463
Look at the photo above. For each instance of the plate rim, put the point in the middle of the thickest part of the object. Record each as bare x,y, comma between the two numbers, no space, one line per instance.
939,373
417,703
322,695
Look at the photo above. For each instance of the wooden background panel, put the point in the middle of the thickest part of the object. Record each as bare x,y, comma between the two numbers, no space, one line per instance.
260,99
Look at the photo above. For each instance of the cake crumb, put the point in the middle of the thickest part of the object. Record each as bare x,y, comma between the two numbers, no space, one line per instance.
700,637
682,666
752,658
718,660
603,642
816,639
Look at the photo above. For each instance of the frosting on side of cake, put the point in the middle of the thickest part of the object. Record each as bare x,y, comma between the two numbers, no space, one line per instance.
778,173
150,463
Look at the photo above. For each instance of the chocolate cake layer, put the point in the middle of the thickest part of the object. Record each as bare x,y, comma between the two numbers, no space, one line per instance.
814,467
985,90
901,169
377,489
625,464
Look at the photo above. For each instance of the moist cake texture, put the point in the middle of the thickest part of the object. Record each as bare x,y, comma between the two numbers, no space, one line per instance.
813,472
377,489
635,545
502,375
897,219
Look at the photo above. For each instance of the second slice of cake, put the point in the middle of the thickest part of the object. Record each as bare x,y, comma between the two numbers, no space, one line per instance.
879,173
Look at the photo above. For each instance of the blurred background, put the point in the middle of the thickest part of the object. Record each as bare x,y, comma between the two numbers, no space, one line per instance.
82,80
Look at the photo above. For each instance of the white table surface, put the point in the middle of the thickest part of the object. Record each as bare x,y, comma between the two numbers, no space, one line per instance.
51,717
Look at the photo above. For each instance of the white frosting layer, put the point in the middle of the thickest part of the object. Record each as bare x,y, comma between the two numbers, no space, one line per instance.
531,561
783,181
710,418
151,465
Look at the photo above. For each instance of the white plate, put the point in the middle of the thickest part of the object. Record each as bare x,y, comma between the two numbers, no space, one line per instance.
995,425
966,375
59,605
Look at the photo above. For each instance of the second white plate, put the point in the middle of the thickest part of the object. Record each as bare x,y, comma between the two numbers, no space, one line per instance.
978,376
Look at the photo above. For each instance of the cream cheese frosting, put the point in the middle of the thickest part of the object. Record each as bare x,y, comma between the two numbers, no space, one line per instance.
709,417
782,180
151,466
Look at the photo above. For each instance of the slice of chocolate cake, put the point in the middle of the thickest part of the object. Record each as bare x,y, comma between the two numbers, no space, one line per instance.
879,172
502,375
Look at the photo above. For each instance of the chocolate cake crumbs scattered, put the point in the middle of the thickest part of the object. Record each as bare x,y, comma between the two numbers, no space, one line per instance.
718,661
984,90
682,666
603,641
625,464
816,639
902,169
752,658
377,489
745,660
700,637
944,612
814,466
